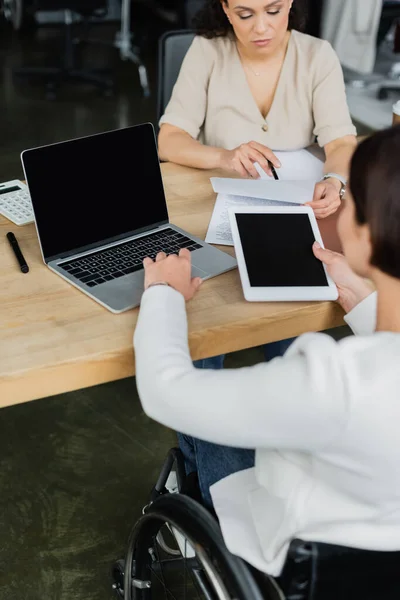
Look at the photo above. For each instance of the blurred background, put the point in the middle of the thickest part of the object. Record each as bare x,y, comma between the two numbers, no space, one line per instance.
113,38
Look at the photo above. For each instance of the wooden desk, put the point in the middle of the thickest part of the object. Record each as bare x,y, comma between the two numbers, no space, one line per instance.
55,339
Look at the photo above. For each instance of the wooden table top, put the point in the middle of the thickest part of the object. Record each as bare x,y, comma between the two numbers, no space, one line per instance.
55,339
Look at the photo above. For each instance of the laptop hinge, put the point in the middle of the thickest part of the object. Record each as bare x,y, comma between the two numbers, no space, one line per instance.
107,242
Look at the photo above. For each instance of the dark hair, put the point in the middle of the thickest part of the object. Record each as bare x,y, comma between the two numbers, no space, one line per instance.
375,186
211,21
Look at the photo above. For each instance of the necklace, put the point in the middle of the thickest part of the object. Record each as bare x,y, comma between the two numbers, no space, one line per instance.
256,73
248,66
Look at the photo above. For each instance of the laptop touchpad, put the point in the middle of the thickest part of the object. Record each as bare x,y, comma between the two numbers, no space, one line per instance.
196,272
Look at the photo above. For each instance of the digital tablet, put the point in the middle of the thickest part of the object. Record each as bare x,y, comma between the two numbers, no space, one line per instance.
274,253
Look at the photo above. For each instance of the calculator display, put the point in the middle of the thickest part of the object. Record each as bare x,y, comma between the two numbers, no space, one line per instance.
15,188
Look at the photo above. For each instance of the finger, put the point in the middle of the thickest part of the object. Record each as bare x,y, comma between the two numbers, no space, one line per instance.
319,192
322,214
250,168
324,255
319,204
257,157
185,253
267,153
147,262
326,192
331,211
239,168
160,256
326,212
196,283
261,167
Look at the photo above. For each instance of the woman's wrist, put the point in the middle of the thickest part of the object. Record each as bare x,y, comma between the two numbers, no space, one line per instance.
349,298
221,158
154,283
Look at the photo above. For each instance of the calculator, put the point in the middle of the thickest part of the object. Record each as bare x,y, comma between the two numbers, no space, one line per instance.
15,202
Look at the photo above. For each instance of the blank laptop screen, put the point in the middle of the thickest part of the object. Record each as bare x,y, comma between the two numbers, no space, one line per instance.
95,188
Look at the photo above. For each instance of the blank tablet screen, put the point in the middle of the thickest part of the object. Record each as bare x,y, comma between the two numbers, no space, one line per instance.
277,249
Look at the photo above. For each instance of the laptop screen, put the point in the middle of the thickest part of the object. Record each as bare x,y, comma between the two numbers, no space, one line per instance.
95,188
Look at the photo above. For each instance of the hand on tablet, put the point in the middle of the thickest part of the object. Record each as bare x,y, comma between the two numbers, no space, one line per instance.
351,287
241,159
173,270
326,199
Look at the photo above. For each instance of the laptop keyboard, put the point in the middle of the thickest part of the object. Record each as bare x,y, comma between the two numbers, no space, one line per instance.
117,261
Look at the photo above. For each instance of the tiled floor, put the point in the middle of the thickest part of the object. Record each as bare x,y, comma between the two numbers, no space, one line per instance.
76,469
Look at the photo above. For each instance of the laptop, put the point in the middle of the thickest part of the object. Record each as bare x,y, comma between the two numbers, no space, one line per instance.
100,208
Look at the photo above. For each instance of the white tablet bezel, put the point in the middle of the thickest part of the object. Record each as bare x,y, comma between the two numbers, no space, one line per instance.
275,294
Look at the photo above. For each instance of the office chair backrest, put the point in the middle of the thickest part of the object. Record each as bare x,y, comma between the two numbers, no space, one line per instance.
329,572
172,48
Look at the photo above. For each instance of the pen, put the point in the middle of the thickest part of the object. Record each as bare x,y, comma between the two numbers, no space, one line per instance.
274,173
17,251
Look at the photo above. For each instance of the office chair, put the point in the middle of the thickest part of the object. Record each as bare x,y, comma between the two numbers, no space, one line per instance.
177,532
172,48
67,70
190,9
178,13
390,15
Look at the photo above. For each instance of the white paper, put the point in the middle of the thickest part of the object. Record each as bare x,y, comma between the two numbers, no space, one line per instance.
298,174
300,164
219,229
295,192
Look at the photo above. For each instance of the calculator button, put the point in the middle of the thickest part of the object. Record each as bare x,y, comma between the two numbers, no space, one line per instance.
16,206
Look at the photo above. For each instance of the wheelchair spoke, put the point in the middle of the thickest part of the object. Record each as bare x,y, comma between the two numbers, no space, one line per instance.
185,569
161,568
161,579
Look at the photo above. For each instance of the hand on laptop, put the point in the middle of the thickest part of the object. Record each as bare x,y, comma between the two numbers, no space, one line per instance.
174,270
351,287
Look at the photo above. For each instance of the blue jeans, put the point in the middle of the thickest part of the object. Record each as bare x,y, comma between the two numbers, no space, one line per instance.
212,462
271,350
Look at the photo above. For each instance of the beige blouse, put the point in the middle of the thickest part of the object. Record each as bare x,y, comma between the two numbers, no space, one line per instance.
212,100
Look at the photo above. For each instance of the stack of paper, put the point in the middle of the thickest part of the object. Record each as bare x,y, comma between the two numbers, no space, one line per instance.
297,177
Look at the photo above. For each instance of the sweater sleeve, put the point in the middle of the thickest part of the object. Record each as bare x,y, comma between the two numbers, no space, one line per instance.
294,402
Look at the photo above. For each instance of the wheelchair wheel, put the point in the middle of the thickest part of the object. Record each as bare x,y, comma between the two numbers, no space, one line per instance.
204,569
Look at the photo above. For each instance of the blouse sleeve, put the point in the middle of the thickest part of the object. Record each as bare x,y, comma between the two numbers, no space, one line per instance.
295,402
362,319
187,106
331,113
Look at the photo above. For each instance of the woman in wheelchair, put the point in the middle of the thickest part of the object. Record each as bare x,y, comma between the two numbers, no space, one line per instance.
323,419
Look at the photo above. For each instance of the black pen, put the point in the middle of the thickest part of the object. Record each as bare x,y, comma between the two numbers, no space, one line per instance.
274,173
17,251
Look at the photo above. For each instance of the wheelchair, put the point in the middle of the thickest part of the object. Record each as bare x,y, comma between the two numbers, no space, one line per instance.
176,551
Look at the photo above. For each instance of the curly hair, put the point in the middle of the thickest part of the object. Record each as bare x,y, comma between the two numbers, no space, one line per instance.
211,21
